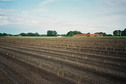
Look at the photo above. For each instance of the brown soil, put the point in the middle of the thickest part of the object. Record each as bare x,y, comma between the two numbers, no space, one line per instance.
13,71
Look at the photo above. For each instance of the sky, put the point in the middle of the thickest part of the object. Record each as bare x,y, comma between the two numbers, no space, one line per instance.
17,16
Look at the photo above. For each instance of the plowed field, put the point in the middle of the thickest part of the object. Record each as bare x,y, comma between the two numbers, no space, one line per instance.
62,61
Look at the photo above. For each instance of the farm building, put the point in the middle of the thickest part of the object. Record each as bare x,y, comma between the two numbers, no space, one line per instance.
91,35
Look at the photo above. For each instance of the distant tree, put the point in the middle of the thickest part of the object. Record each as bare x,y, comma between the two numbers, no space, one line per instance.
108,34
88,33
44,35
71,33
23,34
123,33
30,34
3,34
51,33
36,34
117,33
104,34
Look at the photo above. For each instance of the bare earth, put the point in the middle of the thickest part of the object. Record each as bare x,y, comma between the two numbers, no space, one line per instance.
62,61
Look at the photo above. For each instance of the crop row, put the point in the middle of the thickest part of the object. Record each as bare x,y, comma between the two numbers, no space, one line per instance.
72,69
97,46
81,64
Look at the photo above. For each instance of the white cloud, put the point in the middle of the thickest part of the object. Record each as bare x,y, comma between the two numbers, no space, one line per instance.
58,24
45,2
106,6
61,25
4,20
113,2
6,10
40,10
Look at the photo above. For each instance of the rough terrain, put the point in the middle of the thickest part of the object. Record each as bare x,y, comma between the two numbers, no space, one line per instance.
62,61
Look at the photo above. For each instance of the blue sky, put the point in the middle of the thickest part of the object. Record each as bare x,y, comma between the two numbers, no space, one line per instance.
92,16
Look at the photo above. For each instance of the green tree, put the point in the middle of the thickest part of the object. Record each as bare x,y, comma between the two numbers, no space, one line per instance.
30,34
51,33
104,34
3,34
108,34
117,33
71,33
0,34
23,34
36,34
88,33
123,33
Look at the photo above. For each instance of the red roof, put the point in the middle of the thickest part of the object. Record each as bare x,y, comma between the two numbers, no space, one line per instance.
91,35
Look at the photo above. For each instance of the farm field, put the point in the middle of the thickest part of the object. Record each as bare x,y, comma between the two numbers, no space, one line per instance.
104,37
62,61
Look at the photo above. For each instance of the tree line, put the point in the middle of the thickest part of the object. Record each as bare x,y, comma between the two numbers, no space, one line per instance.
70,33
49,33
119,32
3,34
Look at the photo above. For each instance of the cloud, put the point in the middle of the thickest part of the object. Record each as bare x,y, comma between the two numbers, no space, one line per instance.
114,2
45,2
3,20
4,2
111,13
4,16
6,11
58,24
104,24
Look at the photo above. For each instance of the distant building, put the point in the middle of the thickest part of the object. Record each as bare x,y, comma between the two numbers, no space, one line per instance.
91,35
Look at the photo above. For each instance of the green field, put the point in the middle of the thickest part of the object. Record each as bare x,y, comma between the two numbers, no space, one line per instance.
105,37
108,37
